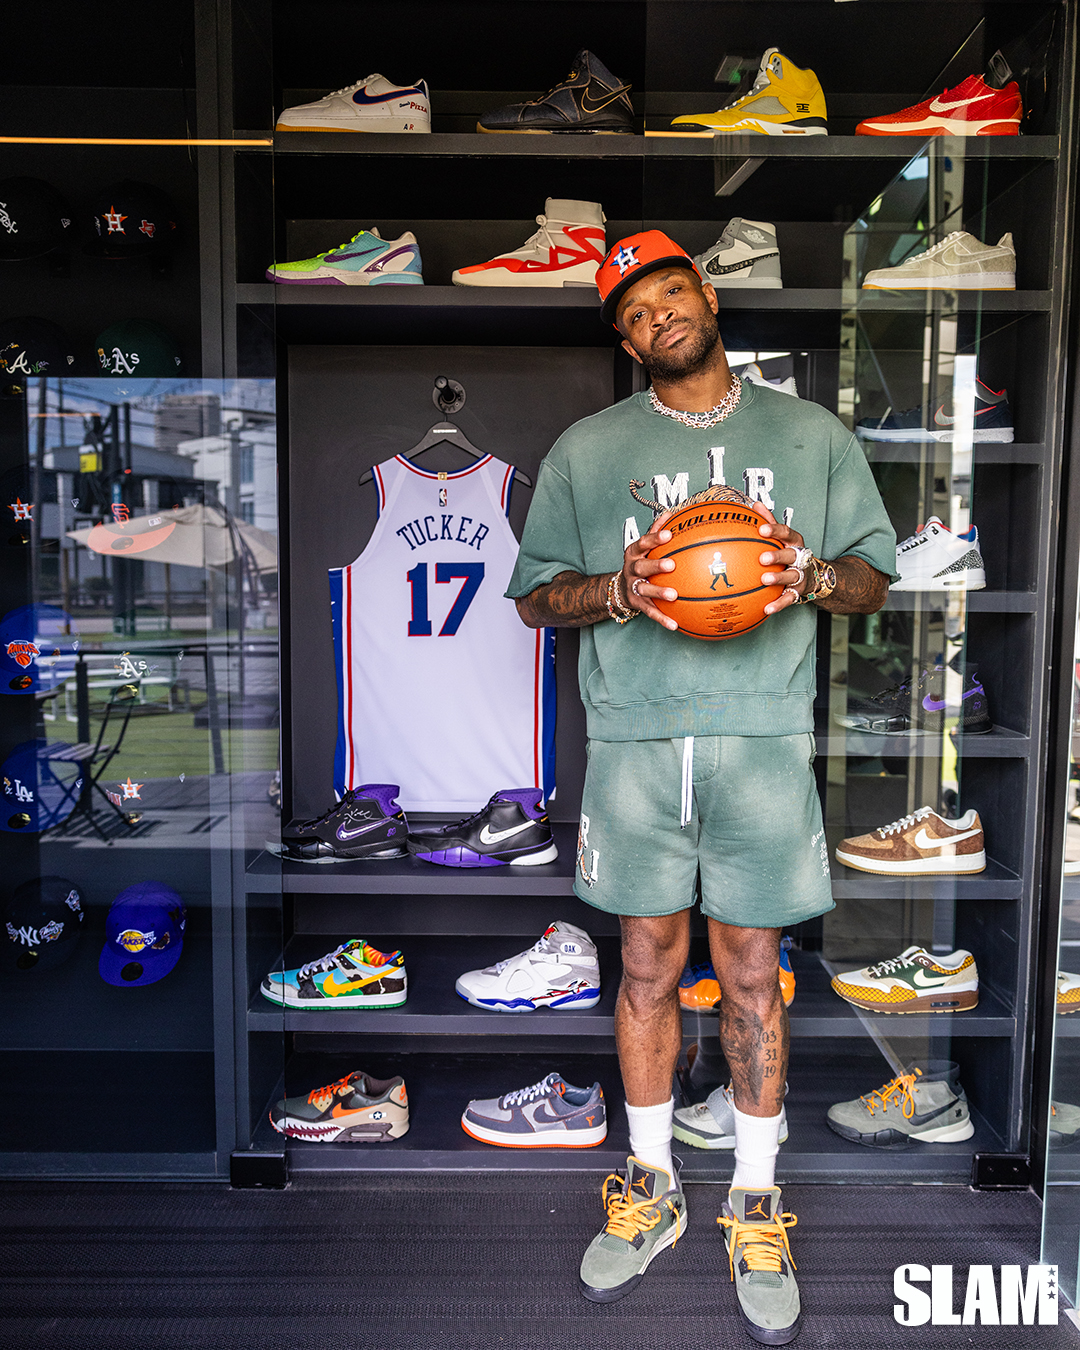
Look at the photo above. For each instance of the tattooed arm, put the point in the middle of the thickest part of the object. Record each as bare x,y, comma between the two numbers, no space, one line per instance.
860,588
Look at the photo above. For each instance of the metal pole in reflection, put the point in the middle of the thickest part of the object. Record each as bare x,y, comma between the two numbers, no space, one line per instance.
212,715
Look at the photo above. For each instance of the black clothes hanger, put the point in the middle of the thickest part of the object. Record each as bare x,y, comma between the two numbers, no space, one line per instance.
444,431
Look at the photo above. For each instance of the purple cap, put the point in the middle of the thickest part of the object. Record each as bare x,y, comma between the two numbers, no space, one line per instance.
144,934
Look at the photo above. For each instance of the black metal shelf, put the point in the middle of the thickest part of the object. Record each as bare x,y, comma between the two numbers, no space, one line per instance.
1000,743
997,882
977,602
983,452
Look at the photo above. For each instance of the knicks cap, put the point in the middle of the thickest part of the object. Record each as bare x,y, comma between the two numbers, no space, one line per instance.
42,920
631,259
38,644
144,934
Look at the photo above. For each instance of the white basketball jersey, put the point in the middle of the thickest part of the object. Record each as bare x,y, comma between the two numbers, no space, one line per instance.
441,687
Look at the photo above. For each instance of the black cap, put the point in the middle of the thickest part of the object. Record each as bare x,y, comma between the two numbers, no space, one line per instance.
32,346
34,219
138,347
43,920
131,220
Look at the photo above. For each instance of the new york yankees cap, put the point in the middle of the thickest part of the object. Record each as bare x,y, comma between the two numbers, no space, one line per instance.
131,220
34,219
138,347
631,259
43,920
144,935
33,346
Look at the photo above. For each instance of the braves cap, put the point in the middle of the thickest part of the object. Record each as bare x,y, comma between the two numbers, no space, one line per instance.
131,220
144,934
38,644
631,259
34,219
43,921
138,347
35,796
31,346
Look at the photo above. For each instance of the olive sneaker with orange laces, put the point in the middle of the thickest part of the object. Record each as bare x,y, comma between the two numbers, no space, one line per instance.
646,1212
356,1109
926,1104
760,1262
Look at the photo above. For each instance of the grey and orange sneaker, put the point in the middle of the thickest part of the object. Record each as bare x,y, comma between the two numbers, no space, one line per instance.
549,1114
926,1104
646,1212
356,1109
760,1262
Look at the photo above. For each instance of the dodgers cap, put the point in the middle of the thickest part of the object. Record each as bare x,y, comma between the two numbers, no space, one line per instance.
631,259
35,796
144,934
43,921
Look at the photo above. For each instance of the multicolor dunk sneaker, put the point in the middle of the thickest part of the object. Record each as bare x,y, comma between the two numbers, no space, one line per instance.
1068,992
759,1259
371,104
646,1212
920,844
366,260
512,829
560,970
367,824
699,989
711,1123
913,982
549,1114
784,101
356,1109
926,1104
353,975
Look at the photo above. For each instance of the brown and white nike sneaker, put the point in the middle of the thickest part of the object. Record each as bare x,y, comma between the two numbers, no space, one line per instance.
913,982
922,844
1068,992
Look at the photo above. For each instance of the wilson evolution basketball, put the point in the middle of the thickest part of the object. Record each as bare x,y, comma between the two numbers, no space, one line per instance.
716,549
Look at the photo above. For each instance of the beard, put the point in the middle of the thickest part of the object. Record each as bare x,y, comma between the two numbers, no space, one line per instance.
692,354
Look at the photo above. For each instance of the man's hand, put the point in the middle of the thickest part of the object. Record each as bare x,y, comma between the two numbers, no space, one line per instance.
860,588
641,575
787,541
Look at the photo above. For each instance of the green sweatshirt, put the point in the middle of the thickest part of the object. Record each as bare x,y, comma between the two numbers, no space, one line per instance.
640,681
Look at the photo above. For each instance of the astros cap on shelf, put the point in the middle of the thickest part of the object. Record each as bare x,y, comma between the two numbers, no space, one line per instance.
631,259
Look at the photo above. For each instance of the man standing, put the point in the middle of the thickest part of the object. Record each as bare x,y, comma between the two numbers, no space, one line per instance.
699,754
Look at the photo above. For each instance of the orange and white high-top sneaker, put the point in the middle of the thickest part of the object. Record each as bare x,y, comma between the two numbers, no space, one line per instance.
565,251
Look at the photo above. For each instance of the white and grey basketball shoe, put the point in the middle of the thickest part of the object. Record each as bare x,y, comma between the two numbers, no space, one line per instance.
549,1114
560,970
746,255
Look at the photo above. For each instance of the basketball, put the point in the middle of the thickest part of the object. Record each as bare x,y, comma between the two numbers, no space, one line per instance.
715,546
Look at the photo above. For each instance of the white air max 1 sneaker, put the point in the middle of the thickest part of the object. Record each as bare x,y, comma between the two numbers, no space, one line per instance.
560,970
371,104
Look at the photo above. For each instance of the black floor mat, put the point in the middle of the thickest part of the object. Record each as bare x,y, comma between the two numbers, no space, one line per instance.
465,1264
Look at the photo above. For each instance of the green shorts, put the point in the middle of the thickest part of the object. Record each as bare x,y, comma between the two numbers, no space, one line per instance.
755,837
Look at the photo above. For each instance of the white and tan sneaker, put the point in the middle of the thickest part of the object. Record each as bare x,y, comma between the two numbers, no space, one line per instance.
913,982
959,263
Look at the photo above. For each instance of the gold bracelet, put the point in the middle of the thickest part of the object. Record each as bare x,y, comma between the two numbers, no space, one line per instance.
614,602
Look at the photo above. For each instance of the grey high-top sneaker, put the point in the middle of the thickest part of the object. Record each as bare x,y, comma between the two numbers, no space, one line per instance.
565,251
746,254
711,1123
761,1264
927,1103
646,1212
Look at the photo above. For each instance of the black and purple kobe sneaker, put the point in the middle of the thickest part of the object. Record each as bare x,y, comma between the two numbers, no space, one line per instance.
366,824
513,828
549,1114
902,710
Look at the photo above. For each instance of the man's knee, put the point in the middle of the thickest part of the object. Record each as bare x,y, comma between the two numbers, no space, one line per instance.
654,952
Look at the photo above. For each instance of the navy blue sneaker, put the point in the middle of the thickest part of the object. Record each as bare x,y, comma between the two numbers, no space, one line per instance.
512,829
589,99
992,421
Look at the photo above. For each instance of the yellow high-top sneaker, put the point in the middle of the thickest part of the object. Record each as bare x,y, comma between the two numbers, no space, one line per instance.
785,101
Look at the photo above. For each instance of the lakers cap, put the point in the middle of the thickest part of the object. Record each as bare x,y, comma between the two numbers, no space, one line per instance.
631,259
144,934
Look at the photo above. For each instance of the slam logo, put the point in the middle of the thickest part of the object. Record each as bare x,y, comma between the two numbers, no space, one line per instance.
1023,1295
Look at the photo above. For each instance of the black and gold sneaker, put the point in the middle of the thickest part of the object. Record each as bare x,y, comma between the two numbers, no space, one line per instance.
589,99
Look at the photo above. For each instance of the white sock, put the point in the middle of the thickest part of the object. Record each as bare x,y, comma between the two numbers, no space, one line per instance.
757,1142
650,1134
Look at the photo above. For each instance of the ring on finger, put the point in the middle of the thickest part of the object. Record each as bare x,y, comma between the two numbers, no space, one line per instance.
634,587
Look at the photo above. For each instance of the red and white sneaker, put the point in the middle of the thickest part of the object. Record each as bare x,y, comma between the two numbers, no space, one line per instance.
565,251
971,109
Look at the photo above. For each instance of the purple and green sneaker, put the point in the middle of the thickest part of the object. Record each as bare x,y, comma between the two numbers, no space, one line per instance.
366,260
512,829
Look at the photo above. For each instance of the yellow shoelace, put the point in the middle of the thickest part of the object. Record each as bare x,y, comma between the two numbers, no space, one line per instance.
628,1218
762,1244
898,1090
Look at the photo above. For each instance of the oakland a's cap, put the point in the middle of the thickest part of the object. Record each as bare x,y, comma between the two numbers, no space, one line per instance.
42,921
631,259
144,934
138,347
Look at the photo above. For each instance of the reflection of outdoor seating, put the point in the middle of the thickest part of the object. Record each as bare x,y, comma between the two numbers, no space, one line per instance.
102,673
94,756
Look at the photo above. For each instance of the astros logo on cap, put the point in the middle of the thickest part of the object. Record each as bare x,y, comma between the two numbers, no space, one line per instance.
631,259
626,257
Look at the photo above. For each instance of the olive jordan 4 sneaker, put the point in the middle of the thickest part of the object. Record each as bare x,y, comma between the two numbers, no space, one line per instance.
924,1104
646,1212
590,99
760,1262
366,824
784,101
512,829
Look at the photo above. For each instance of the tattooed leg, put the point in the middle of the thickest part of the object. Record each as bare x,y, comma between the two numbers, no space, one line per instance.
753,1020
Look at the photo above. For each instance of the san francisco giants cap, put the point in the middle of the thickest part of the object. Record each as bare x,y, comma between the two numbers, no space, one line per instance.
631,259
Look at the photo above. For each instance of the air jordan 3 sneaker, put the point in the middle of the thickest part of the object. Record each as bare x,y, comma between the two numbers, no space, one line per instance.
971,109
590,99
366,260
785,101
371,104
936,559
366,824
565,251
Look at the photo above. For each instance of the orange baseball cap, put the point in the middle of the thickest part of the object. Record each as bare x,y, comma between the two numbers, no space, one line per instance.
631,259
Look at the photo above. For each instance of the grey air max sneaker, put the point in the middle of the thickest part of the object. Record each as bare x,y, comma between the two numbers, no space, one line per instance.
926,1104
711,1123
760,1262
646,1212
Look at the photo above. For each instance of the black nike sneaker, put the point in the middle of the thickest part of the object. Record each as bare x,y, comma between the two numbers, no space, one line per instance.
512,829
589,99
366,824
901,711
